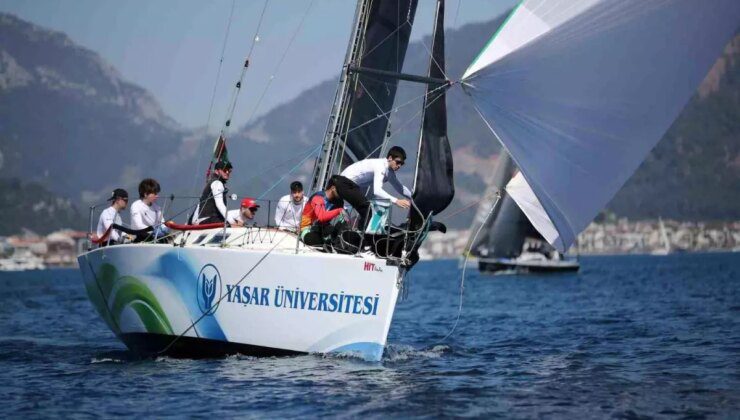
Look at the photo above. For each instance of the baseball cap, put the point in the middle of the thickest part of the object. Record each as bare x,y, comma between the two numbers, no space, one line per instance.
118,193
223,165
249,203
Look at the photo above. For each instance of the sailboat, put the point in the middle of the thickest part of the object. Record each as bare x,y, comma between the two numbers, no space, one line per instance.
260,291
577,95
509,243
665,248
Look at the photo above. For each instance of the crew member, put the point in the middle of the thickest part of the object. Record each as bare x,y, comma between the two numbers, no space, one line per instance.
358,177
246,212
145,212
212,207
319,212
109,216
290,207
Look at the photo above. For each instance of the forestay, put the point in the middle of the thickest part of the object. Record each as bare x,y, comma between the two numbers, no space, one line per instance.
579,92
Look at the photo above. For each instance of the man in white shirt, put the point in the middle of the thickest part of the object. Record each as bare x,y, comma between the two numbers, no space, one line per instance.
373,173
145,212
245,213
212,205
290,207
109,216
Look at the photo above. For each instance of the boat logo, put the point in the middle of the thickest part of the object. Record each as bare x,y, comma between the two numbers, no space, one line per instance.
209,289
372,267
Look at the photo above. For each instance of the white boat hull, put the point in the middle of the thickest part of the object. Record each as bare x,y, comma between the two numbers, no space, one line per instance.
201,301
519,266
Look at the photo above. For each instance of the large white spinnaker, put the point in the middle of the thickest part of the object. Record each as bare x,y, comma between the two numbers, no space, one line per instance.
581,97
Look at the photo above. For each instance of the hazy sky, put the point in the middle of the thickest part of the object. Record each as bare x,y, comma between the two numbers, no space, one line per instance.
172,48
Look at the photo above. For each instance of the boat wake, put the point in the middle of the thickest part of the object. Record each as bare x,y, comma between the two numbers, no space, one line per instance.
403,352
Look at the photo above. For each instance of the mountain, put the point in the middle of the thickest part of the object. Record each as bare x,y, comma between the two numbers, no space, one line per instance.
694,172
33,207
70,124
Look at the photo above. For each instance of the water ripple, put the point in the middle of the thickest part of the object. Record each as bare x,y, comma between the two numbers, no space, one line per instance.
627,337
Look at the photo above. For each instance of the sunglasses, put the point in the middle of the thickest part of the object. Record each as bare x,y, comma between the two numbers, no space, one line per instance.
399,162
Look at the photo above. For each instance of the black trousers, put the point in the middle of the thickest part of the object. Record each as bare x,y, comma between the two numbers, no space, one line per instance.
351,193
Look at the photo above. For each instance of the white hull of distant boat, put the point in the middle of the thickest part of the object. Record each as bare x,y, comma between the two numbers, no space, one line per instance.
526,263
204,300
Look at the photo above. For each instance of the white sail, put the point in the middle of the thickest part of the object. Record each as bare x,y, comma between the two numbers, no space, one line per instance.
579,92
528,20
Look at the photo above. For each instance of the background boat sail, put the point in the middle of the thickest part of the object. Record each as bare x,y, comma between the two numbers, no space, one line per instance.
261,291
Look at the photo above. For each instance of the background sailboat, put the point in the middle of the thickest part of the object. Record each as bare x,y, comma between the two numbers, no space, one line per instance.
509,243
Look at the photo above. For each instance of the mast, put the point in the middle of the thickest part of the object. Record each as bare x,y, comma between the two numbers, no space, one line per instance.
367,88
325,161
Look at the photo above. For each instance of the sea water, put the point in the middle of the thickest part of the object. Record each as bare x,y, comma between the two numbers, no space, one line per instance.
628,336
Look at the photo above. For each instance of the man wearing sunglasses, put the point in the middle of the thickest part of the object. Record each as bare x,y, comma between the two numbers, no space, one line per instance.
119,201
372,174
212,206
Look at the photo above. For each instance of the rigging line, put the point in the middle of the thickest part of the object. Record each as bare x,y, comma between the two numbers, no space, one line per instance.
394,109
213,95
404,124
298,165
442,69
192,325
457,13
275,166
465,266
462,209
398,28
237,88
373,99
280,63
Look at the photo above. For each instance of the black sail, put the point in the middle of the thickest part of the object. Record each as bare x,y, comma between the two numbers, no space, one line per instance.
434,187
509,230
501,176
385,41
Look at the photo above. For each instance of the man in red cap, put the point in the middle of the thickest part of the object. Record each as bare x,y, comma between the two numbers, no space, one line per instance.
245,213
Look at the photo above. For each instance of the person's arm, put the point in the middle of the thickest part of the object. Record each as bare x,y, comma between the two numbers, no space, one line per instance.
282,207
393,180
322,214
217,191
115,235
378,191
